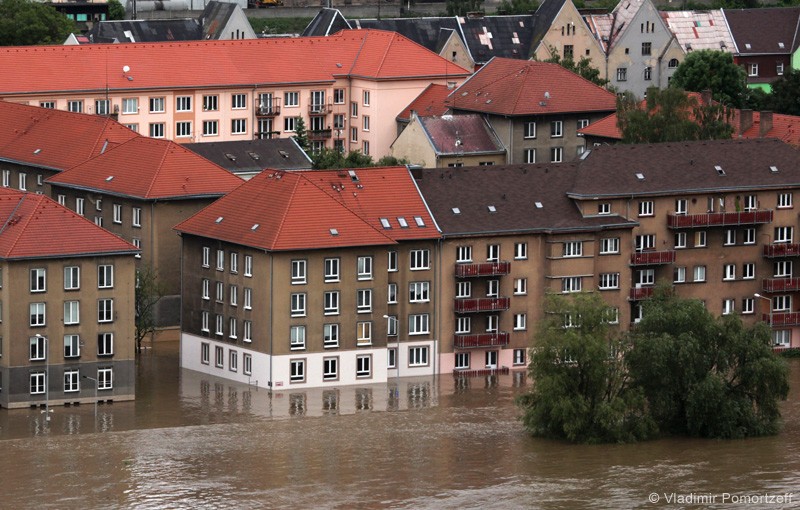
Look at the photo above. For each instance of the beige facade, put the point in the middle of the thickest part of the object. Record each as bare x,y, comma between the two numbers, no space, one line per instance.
570,38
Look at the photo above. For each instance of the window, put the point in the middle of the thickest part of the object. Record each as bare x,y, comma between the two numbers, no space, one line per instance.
75,106
417,356
37,314
609,245
783,234
728,306
204,321
530,155
420,259
492,288
38,280
784,200
38,348
730,237
646,48
183,103
779,68
680,240
220,260
330,335
604,208
72,278
72,346
365,123
464,254
571,284
699,273
353,134
338,96
748,305
752,70
646,208
681,205
622,74
392,263
210,103
556,129
247,361
609,281
239,126
238,101
23,181
330,369
364,333
748,271
520,322
79,208
233,361
364,268
556,154
530,130
206,256
220,292
750,202
679,274
781,303
729,272
117,213
297,370
645,277
391,325
463,325
700,239
219,356
47,104
105,344
363,366
291,99
156,130
463,289
7,179
673,63
331,302
648,73
248,298
210,128
520,251
62,199
418,324
364,300
156,105
72,313
782,269
37,383
332,270
232,333
248,331
248,265
105,310
298,301
520,286
493,253
462,360
218,330
573,249
298,272
297,337
130,105
419,292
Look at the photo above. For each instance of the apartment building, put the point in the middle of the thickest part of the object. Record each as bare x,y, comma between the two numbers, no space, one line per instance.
327,278
66,306
348,88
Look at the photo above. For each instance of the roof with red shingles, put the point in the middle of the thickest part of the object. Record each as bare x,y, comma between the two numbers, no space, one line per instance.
371,54
55,139
606,127
524,87
149,168
35,226
317,209
429,103
784,127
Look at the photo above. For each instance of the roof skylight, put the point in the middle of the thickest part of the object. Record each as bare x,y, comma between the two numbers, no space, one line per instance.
385,223
402,221
420,222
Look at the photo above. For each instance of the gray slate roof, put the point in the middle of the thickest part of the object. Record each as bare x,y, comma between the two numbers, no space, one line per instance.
764,29
153,30
250,156
326,22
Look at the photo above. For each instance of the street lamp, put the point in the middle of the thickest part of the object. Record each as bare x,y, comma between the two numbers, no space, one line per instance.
95,394
391,318
772,339
46,377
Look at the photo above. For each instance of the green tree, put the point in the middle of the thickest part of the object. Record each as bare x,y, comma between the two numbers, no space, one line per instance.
391,161
517,6
300,134
580,389
332,158
462,7
582,68
705,376
670,115
714,71
24,23
115,10
149,291
785,97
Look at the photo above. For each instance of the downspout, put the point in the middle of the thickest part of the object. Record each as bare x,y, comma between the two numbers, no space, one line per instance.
180,320
269,318
510,141
437,277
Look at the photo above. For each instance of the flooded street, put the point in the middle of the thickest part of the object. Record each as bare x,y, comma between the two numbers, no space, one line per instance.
190,441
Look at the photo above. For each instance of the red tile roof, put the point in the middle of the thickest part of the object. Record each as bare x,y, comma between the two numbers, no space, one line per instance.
784,127
298,210
524,87
605,127
429,103
55,139
149,168
371,54
34,226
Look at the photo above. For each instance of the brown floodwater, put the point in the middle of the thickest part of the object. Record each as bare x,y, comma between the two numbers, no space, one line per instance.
192,441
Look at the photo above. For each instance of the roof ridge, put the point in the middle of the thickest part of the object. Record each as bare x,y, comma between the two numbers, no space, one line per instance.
285,211
25,223
156,174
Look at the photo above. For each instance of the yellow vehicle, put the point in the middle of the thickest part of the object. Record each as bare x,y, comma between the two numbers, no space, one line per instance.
257,4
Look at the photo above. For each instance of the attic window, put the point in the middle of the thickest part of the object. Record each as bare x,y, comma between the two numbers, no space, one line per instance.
353,176
773,169
255,227
109,178
385,223
402,221
780,45
219,219
747,45
492,209
37,151
456,210
538,205
640,176
284,154
719,170
420,222
230,156
334,232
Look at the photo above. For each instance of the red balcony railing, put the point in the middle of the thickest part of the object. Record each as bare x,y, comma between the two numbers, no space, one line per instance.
782,250
650,258
494,339
486,269
639,293
781,318
719,219
780,284
475,305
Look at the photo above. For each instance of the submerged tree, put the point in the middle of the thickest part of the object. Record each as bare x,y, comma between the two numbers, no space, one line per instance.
149,291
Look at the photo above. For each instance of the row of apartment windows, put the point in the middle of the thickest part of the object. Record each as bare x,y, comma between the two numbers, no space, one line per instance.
72,378
233,293
556,128
22,179
463,359
492,322
233,358
233,329
464,253
38,312
784,200
233,259
72,278
117,210
752,69
418,324
418,292
72,346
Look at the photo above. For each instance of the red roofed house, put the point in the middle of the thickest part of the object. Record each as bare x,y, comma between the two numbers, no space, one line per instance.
327,278
66,306
139,190
536,108
348,87
431,102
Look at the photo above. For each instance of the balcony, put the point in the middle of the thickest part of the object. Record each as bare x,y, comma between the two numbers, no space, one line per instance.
640,293
319,134
780,285
487,269
476,305
267,135
493,339
652,258
719,219
319,109
781,250
268,110
781,318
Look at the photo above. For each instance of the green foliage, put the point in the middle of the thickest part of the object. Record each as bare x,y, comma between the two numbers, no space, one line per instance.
518,6
24,22
785,97
703,376
149,291
462,7
115,10
580,385
300,134
715,71
274,25
391,161
582,68
670,115
332,158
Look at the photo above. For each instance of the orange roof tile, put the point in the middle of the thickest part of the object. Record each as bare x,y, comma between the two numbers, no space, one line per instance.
523,87
317,209
53,138
605,127
372,54
429,103
150,168
784,127
34,226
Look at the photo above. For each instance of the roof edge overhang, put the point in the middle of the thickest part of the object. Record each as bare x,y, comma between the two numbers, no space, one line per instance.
63,255
689,191
137,197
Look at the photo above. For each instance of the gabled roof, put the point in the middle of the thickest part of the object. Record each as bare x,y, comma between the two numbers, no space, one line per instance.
461,134
139,31
785,128
248,156
34,226
216,17
428,32
149,169
430,102
497,36
544,18
523,87
700,30
317,209
762,31
745,164
55,139
605,128
507,199
370,54
326,22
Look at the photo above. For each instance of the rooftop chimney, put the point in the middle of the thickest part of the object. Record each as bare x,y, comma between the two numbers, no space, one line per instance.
705,96
745,120
766,124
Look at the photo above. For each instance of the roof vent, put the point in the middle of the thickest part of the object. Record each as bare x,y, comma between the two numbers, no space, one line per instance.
230,156
640,176
402,221
284,154
109,178
538,205
385,223
747,45
37,151
719,170
492,209
219,219
420,221
255,227
773,169
456,210
780,45
254,155
334,232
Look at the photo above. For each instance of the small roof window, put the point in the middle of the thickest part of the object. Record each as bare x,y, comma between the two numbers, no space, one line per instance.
640,176
456,210
402,221
773,169
720,170
255,227
538,205
219,219
420,222
492,209
385,223
334,232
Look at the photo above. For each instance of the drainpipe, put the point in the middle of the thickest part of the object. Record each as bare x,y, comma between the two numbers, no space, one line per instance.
269,318
509,158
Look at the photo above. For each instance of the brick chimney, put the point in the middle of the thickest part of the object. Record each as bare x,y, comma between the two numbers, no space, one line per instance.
745,120
705,97
766,124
